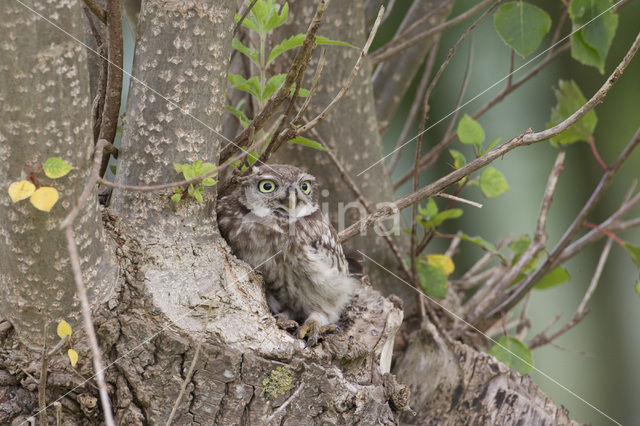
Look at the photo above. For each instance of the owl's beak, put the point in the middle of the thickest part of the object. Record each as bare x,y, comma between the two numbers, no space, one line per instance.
292,199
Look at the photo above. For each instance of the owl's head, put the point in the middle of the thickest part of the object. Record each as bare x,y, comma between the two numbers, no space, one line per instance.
280,190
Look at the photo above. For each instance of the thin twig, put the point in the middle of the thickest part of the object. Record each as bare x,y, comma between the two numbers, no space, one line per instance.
415,105
458,199
582,311
66,225
376,57
314,86
433,154
88,324
345,88
244,15
521,288
302,58
526,138
42,386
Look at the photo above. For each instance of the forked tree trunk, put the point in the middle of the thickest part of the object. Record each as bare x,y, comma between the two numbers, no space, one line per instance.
178,284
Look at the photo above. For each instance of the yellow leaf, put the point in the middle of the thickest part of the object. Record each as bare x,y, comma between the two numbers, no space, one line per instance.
73,357
63,329
21,190
442,262
44,198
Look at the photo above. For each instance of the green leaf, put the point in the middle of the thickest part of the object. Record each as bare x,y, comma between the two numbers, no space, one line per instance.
297,40
208,181
308,142
458,158
591,44
522,26
112,167
519,246
637,288
277,19
437,220
492,183
484,244
470,131
253,157
56,167
432,280
198,194
176,197
273,84
251,86
430,210
513,353
244,121
634,252
191,190
302,93
570,99
555,277
249,52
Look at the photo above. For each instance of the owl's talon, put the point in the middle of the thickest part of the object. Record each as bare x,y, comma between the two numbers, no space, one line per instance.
285,323
313,332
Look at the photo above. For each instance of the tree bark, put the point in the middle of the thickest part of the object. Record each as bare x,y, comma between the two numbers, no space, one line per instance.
44,91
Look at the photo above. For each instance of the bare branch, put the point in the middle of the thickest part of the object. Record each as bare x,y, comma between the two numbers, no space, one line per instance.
415,105
302,58
88,324
399,47
433,154
109,124
97,10
345,88
521,288
459,200
244,15
582,311
527,138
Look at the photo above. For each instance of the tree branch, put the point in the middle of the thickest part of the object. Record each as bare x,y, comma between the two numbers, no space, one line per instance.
527,138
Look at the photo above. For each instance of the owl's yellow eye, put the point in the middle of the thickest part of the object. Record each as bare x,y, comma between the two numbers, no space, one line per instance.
266,185
305,187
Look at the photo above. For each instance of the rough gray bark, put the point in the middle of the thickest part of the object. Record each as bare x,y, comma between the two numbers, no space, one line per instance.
46,111
460,385
393,77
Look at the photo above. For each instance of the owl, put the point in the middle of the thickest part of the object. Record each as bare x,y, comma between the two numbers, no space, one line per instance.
273,222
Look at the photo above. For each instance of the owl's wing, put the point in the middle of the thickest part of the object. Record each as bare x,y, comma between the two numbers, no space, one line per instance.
355,261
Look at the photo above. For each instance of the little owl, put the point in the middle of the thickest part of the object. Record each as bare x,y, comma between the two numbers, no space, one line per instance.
273,222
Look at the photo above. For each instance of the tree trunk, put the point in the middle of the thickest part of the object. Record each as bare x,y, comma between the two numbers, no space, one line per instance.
46,112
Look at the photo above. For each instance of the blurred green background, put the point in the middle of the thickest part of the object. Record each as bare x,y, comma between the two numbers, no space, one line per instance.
598,358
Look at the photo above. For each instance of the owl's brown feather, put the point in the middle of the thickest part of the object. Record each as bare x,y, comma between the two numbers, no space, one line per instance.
304,267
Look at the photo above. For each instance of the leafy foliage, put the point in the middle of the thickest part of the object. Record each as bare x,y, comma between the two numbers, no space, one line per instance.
264,17
56,167
41,197
432,280
553,278
522,26
513,353
431,218
591,43
191,171
570,99
470,131
634,252
492,182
